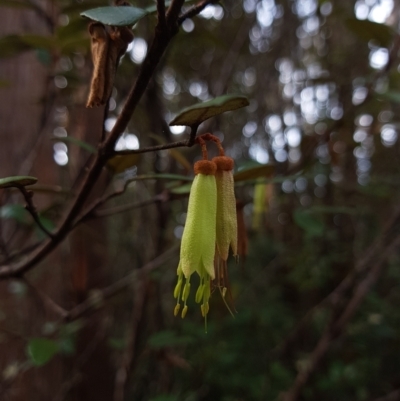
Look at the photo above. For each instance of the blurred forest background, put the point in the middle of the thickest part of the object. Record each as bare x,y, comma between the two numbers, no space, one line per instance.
317,286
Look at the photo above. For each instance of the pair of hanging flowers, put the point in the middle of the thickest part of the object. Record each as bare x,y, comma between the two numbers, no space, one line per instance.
210,229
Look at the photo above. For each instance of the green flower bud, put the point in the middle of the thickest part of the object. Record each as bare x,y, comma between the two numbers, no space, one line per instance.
226,234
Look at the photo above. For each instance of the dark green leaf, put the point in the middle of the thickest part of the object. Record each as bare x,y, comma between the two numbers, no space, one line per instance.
47,224
44,56
67,345
264,170
200,112
67,32
74,44
116,16
11,45
16,181
81,144
39,41
368,30
41,350
15,212
14,44
309,222
121,163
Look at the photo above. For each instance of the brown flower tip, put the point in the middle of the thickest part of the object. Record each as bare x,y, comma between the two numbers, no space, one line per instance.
224,163
205,167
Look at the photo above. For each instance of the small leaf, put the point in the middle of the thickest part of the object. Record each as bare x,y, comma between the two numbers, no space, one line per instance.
182,190
116,16
12,45
73,44
70,139
41,350
200,112
16,181
392,96
119,164
15,212
368,30
44,56
67,345
75,26
39,41
47,224
312,225
264,170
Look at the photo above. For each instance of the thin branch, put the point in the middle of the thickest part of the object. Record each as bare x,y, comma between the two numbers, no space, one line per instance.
373,253
130,206
100,296
179,144
336,328
162,23
21,252
101,201
42,14
195,10
106,149
172,15
46,300
121,376
155,148
30,207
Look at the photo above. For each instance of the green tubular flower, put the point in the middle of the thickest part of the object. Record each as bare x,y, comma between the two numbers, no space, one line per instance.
198,239
226,207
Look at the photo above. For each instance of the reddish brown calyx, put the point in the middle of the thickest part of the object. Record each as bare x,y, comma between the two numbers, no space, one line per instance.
224,163
205,167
